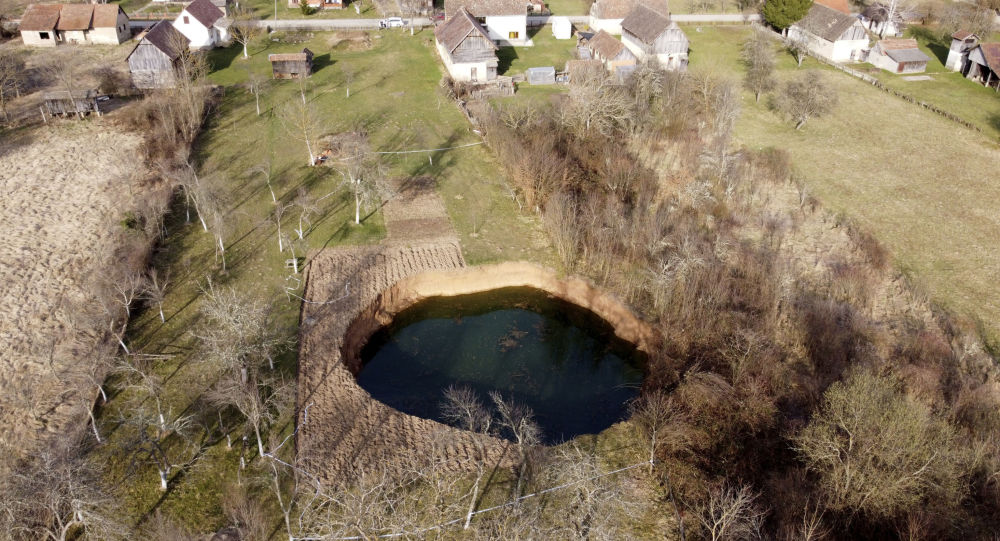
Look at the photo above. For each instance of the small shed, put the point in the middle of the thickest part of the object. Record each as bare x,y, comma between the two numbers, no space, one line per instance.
962,43
562,28
291,65
154,61
542,76
984,65
898,56
65,102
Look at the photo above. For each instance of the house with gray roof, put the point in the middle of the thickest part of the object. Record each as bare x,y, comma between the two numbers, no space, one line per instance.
203,24
651,35
466,49
505,21
154,61
831,34
608,15
898,56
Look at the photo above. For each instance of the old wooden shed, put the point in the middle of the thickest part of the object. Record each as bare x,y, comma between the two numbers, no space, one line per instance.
291,65
66,102
154,61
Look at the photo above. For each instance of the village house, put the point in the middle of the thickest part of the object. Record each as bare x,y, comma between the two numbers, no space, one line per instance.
291,65
46,25
830,34
154,61
650,35
898,56
203,24
984,65
466,48
612,53
66,102
608,15
962,43
505,21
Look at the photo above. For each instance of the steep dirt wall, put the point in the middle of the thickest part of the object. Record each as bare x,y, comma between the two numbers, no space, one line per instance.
463,281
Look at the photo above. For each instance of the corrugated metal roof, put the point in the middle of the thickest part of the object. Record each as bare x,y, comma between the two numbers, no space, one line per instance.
75,17
826,23
645,24
907,55
40,17
487,8
457,28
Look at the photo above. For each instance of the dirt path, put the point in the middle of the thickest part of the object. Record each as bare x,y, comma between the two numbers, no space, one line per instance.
342,430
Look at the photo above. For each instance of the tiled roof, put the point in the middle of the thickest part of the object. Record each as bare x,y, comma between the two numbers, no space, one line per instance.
306,54
106,15
896,44
457,28
826,23
962,34
645,24
205,12
605,45
839,5
486,8
75,17
619,9
40,17
992,53
166,38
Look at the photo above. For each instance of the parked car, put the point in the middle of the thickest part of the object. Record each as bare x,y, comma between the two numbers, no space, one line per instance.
392,22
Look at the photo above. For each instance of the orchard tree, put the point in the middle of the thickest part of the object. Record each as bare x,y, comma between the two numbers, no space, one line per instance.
784,13
462,408
362,171
806,97
758,56
299,121
245,28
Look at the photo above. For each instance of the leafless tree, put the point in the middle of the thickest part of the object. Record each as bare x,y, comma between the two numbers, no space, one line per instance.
255,84
240,332
300,122
797,48
601,104
362,171
806,97
758,57
307,208
560,219
348,71
156,289
246,512
161,443
278,214
731,513
653,413
265,170
259,399
162,528
12,69
463,408
519,422
64,70
245,28
57,494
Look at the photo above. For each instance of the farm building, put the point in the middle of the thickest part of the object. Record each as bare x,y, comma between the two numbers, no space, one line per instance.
608,15
651,35
466,48
984,65
154,61
46,25
962,43
505,21
830,34
203,24
541,76
898,56
612,53
562,28
291,65
76,102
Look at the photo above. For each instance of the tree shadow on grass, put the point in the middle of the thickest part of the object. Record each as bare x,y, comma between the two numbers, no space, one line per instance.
933,41
221,59
505,57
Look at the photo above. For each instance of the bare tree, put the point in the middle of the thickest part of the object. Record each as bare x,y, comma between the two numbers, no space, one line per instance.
307,208
299,121
362,171
265,170
463,408
278,214
245,28
797,48
12,69
348,71
519,422
806,97
653,413
731,513
259,399
156,289
240,331
57,495
758,57
161,443
255,84
246,512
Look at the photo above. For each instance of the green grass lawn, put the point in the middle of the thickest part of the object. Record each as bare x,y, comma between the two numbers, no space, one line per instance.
569,7
925,186
399,105
546,51
265,10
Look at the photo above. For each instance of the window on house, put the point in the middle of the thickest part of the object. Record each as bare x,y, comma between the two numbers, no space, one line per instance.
513,35
186,21
43,35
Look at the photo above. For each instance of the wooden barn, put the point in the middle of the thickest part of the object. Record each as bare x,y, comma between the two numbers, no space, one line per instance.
612,53
962,43
291,65
984,65
466,48
651,35
898,56
154,61
831,34
65,102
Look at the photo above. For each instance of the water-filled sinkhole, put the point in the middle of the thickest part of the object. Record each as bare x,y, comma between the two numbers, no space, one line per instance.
561,360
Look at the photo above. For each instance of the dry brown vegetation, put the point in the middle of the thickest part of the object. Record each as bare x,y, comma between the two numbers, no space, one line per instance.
792,353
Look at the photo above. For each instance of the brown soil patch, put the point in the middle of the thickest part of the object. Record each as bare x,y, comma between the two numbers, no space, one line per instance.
415,212
63,190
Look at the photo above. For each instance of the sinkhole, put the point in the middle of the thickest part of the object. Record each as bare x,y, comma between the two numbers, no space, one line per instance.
559,359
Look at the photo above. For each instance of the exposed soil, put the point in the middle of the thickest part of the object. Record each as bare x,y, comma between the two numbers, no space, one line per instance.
63,190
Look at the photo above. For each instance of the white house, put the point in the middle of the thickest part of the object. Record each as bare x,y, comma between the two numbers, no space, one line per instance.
608,15
466,48
898,56
45,25
203,24
830,34
650,35
561,27
506,21
962,43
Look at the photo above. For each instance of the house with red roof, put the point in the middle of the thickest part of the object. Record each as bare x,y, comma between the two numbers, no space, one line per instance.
46,25
984,65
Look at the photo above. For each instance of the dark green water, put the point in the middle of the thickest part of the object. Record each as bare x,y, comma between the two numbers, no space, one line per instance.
560,360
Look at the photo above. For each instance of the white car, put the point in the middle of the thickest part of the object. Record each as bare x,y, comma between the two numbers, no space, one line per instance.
392,22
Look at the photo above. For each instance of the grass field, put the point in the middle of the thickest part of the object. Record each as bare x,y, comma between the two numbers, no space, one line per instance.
569,7
925,186
398,103
546,51
265,10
